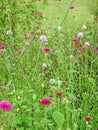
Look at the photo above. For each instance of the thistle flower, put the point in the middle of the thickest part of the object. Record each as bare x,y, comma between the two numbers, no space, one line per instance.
45,101
5,105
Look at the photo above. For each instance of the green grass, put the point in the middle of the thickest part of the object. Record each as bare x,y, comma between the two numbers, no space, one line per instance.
75,73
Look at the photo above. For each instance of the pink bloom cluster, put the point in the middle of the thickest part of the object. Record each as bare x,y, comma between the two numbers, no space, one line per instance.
2,47
5,105
45,101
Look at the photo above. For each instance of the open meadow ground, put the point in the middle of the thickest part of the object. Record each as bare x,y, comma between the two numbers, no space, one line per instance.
48,65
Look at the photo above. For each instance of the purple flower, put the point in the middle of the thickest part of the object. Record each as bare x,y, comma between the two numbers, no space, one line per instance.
86,44
43,38
80,35
5,105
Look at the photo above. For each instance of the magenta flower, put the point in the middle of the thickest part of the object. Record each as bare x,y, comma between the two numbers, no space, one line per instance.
43,38
2,47
45,101
87,118
72,7
32,32
26,37
75,40
5,105
40,15
80,49
46,50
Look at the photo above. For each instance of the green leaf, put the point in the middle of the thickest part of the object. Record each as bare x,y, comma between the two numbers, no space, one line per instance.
58,117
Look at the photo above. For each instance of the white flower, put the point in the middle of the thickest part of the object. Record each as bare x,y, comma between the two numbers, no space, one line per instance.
59,28
9,32
71,57
44,65
27,44
52,80
84,27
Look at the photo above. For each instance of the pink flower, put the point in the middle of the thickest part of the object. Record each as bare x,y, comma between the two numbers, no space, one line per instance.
72,7
45,101
43,73
87,118
26,37
40,15
75,40
32,32
2,47
80,49
80,35
59,94
86,44
49,27
46,50
5,105
43,38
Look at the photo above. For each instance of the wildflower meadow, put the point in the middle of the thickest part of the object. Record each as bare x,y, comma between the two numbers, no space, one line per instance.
48,64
